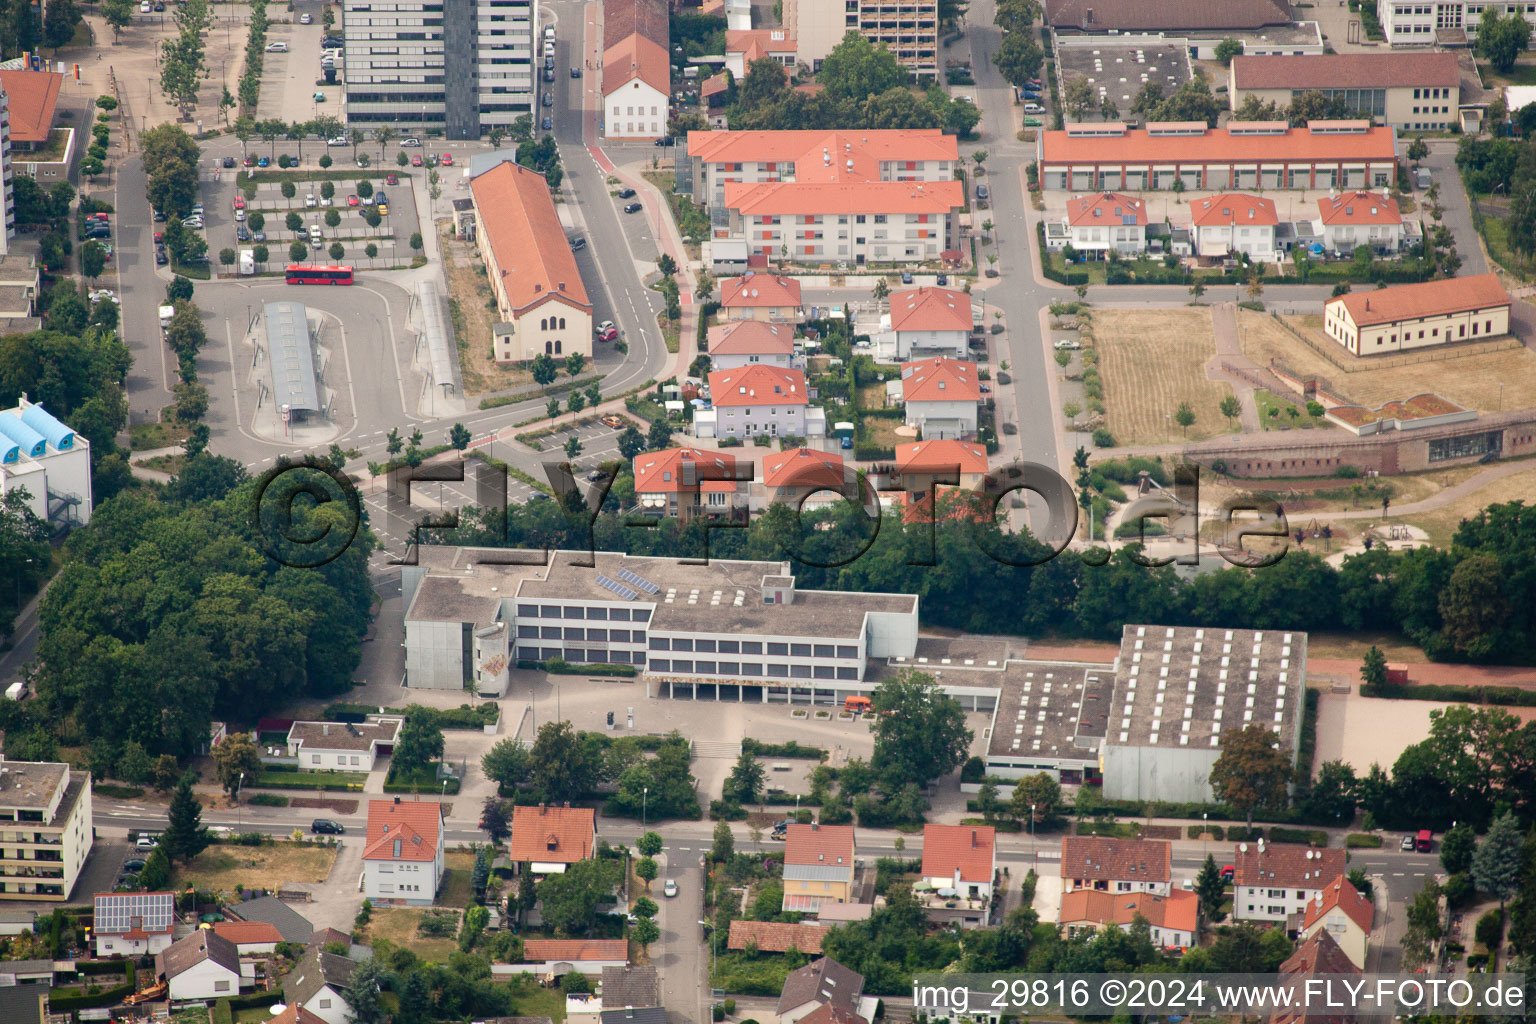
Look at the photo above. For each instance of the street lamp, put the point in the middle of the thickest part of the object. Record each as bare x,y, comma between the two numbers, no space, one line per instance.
239,817
645,793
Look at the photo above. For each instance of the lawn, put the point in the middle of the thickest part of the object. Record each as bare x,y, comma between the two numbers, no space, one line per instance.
1275,413
1483,380
1441,523
880,431
458,890
1151,361
473,311
148,436
339,781
398,925
225,866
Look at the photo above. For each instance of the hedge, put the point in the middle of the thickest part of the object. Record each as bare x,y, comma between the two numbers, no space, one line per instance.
1300,836
342,711
63,1003
1216,831
254,1000
1362,841
268,800
118,792
1115,829
790,749
564,668
1458,694
268,779
122,967
1243,834
432,785
465,716
222,1013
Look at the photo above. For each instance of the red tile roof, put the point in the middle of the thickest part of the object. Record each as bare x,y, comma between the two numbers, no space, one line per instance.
1347,71
827,1013
1218,146
757,385
1106,208
776,936
1429,298
1094,858
812,151
684,469
940,379
1358,208
416,823
543,950
552,835
714,85
636,57
33,95
804,467
1178,911
753,43
1339,893
1283,865
646,17
751,338
940,456
931,309
970,848
243,933
954,506
1318,954
1232,208
758,290
296,1014
793,198
525,236
819,846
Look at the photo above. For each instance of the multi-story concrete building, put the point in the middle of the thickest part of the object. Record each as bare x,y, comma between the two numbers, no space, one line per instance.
1263,155
908,28
1410,23
540,298
30,100
940,397
49,460
7,194
1272,881
637,71
1411,316
758,399
45,829
403,852
733,629
1234,223
1410,91
828,197
461,66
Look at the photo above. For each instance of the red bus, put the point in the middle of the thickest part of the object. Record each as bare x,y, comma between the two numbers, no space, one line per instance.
305,273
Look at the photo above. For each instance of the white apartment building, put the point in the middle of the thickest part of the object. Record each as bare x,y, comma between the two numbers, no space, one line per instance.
909,28
940,397
1273,881
403,854
1415,22
399,53
50,460
45,829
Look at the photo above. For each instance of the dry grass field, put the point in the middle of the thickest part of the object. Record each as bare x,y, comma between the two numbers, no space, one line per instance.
1471,381
468,292
1150,361
1441,523
223,867
398,925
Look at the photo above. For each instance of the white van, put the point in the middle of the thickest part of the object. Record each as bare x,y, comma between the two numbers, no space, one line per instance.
247,262
166,312
549,32
314,234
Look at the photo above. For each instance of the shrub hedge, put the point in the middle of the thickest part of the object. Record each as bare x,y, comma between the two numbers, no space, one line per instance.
1300,836
1504,695
789,749
565,668
117,792
1362,841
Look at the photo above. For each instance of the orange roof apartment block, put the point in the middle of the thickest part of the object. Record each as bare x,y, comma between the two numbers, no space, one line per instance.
1106,208
1355,218
932,457
757,385
1411,316
1233,208
540,297
684,481
801,473
1243,155
552,838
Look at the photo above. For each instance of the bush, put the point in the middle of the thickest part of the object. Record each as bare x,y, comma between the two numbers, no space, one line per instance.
1216,831
118,792
268,800
1362,841
974,770
1454,693
722,810
1102,438
1490,930
1299,836
789,749
562,668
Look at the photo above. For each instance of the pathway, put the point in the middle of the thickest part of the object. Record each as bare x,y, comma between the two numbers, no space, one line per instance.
1230,353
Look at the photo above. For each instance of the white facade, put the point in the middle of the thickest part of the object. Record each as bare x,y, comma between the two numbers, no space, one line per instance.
1346,238
1408,23
946,420
750,420
635,110
119,945
732,360
944,343
843,237
50,460
1272,902
205,980
329,1005
1256,240
45,829
1100,238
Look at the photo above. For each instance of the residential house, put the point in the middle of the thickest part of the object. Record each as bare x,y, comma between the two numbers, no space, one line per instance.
926,464
804,478
940,397
403,852
541,302
634,1015
1353,219
251,938
319,984
1410,316
1344,913
551,838
1106,222
823,982
931,321
761,297
290,924
24,1004
776,936
45,808
684,482
751,342
743,46
960,857
201,966
342,746
1414,92
133,923
759,399
1273,881
1318,955
586,956
636,69
818,867
630,987
1173,917
1116,865
296,1015
1234,223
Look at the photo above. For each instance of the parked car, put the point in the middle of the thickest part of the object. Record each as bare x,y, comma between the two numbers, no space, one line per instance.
1068,345
1033,108
263,162
549,74
242,233
665,140
578,244
197,209
549,99
846,442
447,160
258,236
134,864
547,123
105,295
982,192
616,422
161,259
410,143
228,161
392,179
147,841
416,160
1228,872
159,216
383,209
1032,122
906,277
309,201
192,222
670,889
305,19
633,208
354,201
239,202
606,325
98,232
325,826
1406,845
942,280
278,47
239,215
626,193
609,335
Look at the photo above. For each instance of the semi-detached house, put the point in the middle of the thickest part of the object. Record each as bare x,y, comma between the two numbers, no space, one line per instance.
1274,881
1234,223
1116,865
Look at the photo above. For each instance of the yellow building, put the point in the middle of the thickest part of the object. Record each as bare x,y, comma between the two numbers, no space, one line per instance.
818,866
1411,316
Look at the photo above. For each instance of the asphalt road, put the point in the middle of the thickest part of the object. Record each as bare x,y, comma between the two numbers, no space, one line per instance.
142,291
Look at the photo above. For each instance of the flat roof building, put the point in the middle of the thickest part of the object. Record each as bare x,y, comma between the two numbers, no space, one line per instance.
909,29
291,359
1410,91
47,459
45,829
541,301
1165,16
1243,155
1411,316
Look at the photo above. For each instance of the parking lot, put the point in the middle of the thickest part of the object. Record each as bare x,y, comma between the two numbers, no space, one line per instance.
290,80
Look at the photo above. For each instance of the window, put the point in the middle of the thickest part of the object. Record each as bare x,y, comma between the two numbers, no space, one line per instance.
325,1004
844,651
660,665
779,649
751,647
705,646
658,643
799,650
314,759
682,644
730,647
825,651
221,986
574,613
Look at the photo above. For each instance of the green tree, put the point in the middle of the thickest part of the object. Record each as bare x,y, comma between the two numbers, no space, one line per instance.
565,764
1016,16
568,901
336,252
184,834
552,408
724,843
1417,150
298,252
659,436
93,259
544,369
646,870
1227,49
508,763
236,756
745,785
1040,792
420,744
762,85
575,363
1457,848
118,13
1373,669
1231,408
1251,771
1424,927
332,218
573,443
1018,59
361,992
1361,881
1496,866
649,844
1502,39
665,264
645,932
493,819
920,732
1211,888
986,800
1077,97
458,436
856,69
1184,416
631,442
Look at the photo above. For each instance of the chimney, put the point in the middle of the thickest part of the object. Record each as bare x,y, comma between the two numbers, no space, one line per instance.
537,288
397,800
815,826
542,809
325,729
973,839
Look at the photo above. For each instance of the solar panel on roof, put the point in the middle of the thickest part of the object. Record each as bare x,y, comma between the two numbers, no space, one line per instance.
630,576
617,588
